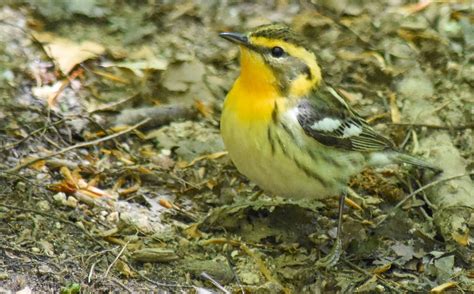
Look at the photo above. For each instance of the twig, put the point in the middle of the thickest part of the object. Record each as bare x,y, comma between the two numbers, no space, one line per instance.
214,282
56,219
262,267
159,284
418,191
91,272
118,282
37,256
116,259
80,145
159,115
8,146
462,127
231,266
52,99
363,271
111,106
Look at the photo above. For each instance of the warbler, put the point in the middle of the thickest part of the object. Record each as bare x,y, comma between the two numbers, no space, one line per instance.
291,133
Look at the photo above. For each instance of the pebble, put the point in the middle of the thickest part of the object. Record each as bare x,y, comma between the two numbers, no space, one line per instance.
43,205
59,198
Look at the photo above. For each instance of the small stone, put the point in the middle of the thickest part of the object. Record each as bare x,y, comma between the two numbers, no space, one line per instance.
380,289
43,205
59,198
113,217
3,276
71,202
20,186
249,278
234,253
41,176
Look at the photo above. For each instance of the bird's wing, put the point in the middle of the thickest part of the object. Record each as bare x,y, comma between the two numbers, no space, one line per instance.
328,119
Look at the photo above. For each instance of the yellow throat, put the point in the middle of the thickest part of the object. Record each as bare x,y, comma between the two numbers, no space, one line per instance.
255,91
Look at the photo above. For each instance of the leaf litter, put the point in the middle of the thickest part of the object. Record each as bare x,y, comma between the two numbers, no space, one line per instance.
114,177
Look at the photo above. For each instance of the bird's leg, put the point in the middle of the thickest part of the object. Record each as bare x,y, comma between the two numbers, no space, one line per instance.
333,256
255,195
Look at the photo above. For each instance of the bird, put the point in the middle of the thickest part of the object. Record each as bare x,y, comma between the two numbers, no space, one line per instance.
289,131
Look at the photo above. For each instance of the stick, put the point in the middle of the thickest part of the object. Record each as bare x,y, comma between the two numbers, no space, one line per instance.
80,145
462,127
419,190
116,259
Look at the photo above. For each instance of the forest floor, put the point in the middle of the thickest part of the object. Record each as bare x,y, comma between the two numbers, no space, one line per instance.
114,177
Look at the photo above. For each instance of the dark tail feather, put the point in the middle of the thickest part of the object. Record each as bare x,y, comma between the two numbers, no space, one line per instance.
405,158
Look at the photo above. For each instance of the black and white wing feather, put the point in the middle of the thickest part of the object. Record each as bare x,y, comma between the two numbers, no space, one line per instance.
327,118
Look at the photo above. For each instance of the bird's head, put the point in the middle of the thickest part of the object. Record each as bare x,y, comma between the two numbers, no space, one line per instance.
275,56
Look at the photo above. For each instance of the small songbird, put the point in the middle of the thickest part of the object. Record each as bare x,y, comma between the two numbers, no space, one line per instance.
289,132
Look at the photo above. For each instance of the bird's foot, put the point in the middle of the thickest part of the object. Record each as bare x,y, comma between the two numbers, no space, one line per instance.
332,257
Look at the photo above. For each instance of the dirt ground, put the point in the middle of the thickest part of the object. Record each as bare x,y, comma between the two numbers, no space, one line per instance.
113,175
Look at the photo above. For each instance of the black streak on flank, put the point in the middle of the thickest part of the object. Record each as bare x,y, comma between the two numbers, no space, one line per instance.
271,140
282,146
275,113
288,131
307,171
331,160
308,73
310,173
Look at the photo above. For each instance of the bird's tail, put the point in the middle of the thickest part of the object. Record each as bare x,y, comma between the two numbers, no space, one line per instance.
399,157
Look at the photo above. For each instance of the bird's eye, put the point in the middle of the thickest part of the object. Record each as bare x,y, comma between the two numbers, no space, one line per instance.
277,52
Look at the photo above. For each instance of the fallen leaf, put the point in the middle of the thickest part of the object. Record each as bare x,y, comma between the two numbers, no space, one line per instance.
441,288
65,53
178,77
138,67
381,269
461,238
212,156
405,252
193,231
394,111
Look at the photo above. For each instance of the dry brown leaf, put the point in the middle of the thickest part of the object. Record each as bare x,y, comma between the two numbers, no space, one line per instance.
203,108
441,288
351,97
124,269
461,238
381,269
111,77
199,158
394,111
123,157
415,8
165,203
74,184
140,66
193,231
349,202
38,165
65,53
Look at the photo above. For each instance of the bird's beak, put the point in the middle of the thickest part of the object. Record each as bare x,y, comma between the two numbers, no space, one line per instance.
236,38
